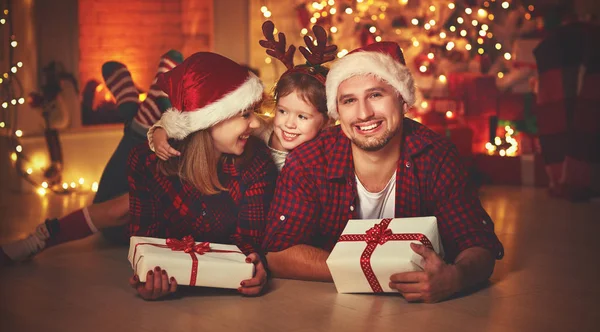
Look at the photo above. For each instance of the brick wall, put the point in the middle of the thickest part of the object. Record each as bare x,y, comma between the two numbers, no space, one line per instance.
137,32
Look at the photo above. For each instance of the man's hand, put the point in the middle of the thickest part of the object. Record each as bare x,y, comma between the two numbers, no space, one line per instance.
437,282
254,286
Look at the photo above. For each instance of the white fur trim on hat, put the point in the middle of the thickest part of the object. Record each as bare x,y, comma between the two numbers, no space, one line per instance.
179,125
379,64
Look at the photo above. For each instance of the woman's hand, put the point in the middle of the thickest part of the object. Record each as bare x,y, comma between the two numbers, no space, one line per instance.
254,286
161,144
157,284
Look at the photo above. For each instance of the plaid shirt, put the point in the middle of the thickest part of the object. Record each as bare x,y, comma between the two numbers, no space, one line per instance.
164,207
316,193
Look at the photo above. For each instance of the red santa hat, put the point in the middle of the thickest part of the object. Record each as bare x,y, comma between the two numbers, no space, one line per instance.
204,90
383,60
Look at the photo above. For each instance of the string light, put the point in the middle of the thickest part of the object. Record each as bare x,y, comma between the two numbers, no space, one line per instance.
505,5
507,56
451,5
372,29
349,11
442,78
468,11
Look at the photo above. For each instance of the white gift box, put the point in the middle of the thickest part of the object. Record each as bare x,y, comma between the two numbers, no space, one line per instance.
223,267
350,275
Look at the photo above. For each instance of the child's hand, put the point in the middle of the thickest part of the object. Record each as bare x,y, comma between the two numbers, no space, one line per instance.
161,145
157,285
254,286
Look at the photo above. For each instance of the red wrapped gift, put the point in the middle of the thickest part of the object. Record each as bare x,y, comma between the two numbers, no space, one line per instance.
479,92
526,170
511,107
460,135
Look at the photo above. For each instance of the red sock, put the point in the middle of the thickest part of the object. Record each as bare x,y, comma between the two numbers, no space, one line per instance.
71,227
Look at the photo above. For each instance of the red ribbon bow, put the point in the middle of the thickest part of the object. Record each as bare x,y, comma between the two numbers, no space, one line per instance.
378,235
188,245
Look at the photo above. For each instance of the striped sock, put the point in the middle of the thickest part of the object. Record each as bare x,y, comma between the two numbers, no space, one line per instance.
118,80
157,101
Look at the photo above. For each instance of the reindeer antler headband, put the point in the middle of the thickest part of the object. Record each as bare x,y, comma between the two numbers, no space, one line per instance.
315,55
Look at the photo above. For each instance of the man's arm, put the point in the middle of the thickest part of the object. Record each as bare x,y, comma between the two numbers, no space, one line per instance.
301,261
474,266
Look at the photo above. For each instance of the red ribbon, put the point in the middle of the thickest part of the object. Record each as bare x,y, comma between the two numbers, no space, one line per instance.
378,235
187,245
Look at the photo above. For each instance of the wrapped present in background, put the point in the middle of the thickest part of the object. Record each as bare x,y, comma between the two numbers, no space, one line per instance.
369,251
190,263
525,169
460,135
478,92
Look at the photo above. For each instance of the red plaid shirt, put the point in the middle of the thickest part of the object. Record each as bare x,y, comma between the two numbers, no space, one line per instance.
316,193
164,207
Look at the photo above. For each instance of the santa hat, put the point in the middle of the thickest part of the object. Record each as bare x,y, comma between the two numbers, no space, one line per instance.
384,60
204,90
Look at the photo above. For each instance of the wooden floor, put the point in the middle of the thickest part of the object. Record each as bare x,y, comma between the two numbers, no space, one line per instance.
548,281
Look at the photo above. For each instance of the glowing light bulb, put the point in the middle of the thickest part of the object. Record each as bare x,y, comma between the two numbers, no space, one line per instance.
95,186
348,10
414,21
442,78
333,29
505,5
424,104
372,29
65,186
18,133
81,180
430,56
451,5
468,11
44,184
507,56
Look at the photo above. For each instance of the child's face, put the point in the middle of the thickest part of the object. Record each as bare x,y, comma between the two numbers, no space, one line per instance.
296,121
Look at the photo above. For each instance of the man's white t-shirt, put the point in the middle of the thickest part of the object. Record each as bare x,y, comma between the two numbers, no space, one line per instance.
376,205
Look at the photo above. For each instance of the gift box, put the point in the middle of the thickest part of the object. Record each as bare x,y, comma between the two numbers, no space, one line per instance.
191,263
479,92
369,251
460,135
525,170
